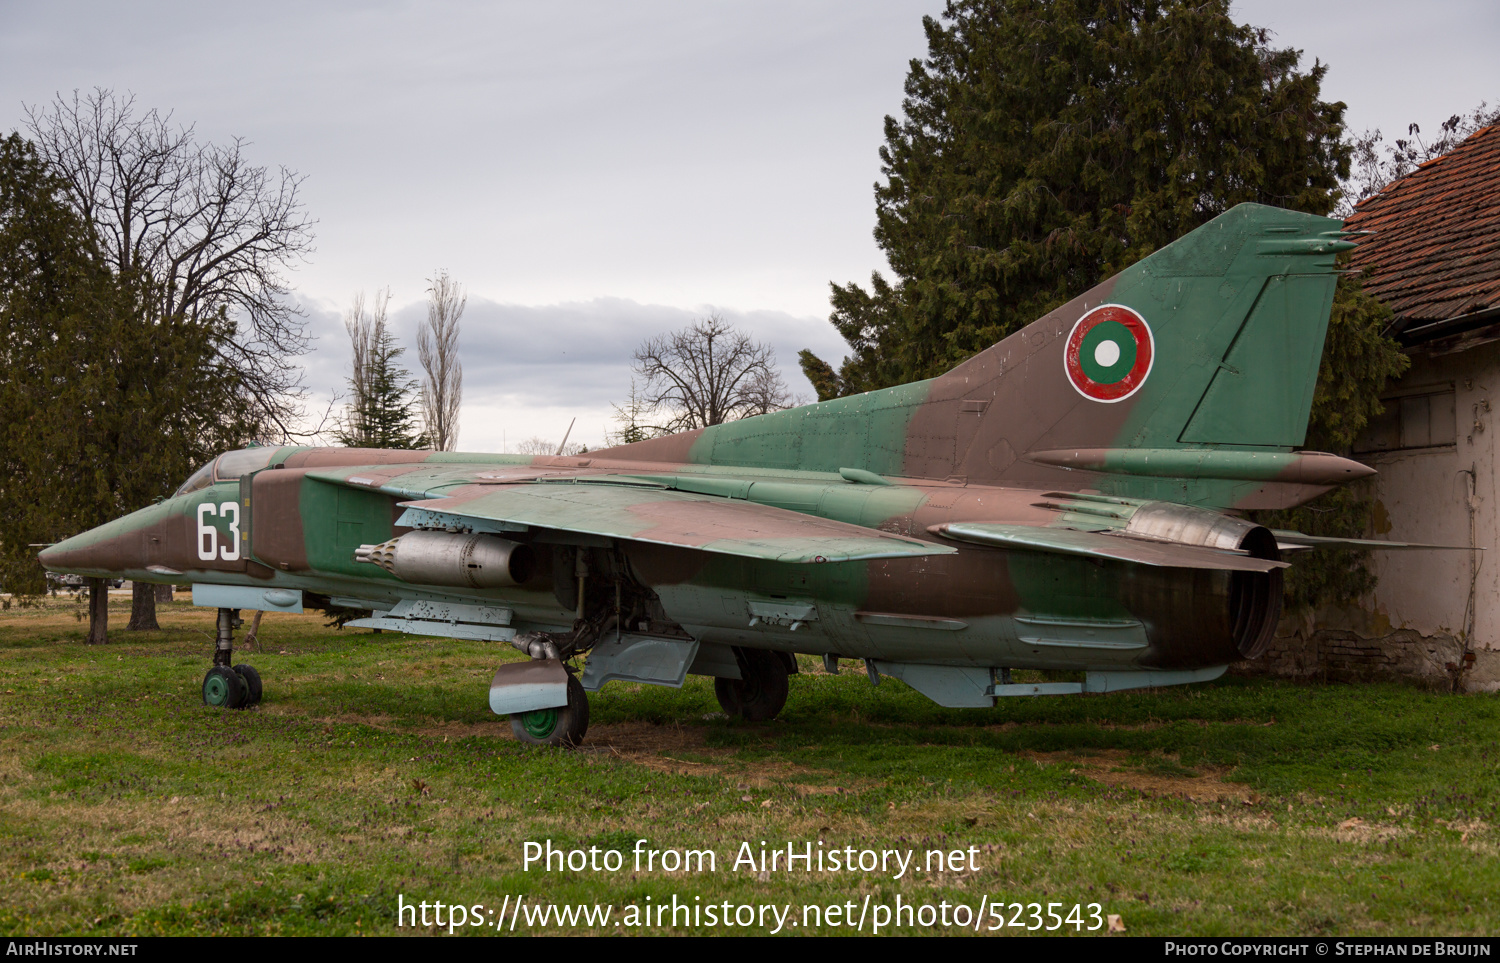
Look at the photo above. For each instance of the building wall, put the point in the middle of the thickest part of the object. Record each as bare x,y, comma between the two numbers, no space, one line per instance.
1417,622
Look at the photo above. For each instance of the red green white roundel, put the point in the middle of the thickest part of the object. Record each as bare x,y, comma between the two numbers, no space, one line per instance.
1109,353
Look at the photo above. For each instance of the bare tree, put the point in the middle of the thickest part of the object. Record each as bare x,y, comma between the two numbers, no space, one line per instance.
1376,163
364,329
380,412
213,231
537,445
437,350
632,417
706,374
209,232
766,393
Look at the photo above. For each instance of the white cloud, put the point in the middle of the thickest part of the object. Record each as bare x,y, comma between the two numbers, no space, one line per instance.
528,370
613,165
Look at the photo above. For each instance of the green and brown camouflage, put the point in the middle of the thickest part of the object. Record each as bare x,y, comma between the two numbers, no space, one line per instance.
1067,499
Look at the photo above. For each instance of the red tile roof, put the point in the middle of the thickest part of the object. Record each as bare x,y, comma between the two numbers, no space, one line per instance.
1436,247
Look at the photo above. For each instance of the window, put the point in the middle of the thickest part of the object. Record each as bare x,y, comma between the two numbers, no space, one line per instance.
228,467
201,478
231,465
1420,418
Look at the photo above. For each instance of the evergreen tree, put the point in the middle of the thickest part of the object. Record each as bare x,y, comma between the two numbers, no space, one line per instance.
382,412
104,405
1048,144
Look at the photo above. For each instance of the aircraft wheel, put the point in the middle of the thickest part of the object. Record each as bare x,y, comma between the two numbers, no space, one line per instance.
223,688
252,684
760,695
563,726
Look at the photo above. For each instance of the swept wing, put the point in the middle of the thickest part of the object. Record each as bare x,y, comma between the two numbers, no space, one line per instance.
643,511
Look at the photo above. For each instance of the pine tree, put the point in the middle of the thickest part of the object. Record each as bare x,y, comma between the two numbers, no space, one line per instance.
382,412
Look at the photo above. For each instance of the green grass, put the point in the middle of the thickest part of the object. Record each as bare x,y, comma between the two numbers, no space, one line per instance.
374,768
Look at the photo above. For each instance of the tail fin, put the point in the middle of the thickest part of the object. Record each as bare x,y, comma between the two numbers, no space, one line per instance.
1211,343
1203,356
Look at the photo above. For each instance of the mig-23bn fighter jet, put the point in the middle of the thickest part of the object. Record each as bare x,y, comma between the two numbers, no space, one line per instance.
1068,499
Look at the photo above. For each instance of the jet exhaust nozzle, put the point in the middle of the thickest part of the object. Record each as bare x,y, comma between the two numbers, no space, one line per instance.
449,558
1254,598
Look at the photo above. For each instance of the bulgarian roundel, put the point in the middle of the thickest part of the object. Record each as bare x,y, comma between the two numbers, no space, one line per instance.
1109,353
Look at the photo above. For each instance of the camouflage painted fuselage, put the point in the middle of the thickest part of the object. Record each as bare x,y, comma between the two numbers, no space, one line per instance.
1200,403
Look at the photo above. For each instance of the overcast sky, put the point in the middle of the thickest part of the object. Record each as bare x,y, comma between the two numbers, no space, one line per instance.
598,172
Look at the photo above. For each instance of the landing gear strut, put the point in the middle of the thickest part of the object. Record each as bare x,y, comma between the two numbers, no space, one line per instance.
229,686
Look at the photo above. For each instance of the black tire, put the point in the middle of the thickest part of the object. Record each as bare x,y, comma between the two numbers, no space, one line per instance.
563,726
252,684
761,693
223,688
727,691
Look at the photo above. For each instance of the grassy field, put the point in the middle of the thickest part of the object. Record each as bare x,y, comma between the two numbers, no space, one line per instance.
374,771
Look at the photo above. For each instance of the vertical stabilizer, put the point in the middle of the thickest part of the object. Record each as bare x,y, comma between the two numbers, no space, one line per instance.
1213,342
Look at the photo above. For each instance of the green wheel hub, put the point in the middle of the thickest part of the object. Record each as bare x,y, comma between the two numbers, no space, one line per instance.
540,724
216,691
556,726
224,688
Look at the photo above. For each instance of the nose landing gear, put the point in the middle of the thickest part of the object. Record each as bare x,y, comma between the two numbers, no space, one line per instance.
224,688
228,686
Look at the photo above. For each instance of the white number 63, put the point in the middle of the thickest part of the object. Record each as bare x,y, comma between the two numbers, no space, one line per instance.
208,535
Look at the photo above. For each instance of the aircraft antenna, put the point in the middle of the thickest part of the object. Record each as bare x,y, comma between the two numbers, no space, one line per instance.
566,434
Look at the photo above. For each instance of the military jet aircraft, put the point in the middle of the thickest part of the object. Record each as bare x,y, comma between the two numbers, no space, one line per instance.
1069,499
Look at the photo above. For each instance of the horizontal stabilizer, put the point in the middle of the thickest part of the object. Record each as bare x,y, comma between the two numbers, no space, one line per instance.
683,519
1295,540
1067,541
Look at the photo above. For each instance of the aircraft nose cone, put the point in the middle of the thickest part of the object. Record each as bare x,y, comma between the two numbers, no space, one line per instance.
114,549
79,555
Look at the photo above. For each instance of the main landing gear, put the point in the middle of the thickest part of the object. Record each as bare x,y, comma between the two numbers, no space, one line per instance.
229,686
545,701
760,692
562,726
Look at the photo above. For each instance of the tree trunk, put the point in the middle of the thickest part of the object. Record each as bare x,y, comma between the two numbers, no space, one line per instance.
142,608
163,593
98,611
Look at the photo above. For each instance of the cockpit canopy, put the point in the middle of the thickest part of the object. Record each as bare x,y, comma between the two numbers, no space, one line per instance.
229,467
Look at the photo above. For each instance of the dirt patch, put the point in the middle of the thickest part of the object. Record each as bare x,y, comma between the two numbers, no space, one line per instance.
655,747
448,731
660,748
1356,830
1111,767
631,740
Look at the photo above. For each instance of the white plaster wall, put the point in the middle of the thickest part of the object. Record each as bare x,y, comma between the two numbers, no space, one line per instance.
1423,496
